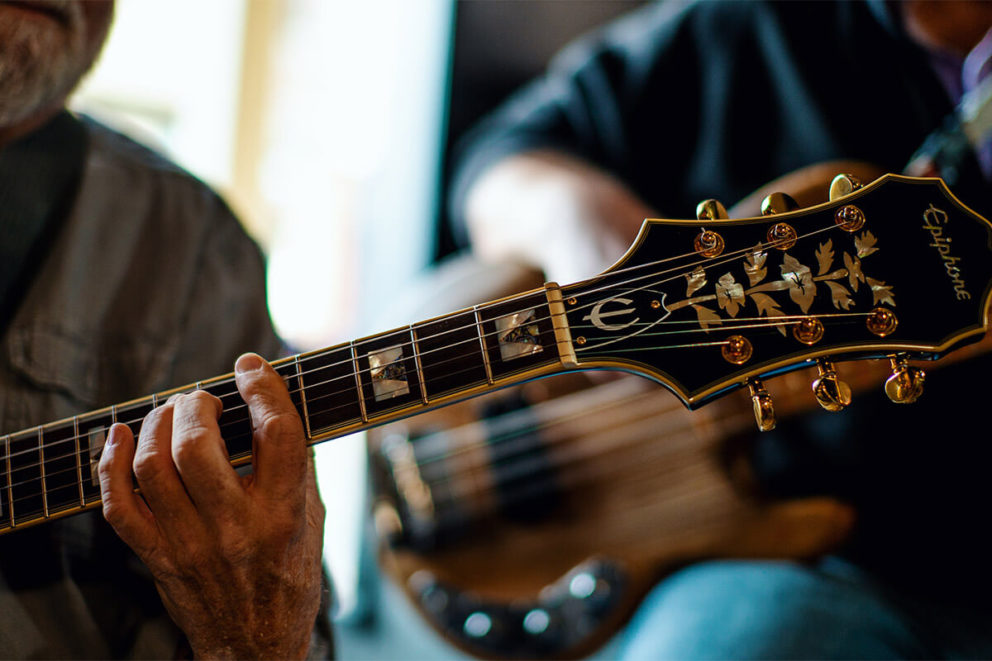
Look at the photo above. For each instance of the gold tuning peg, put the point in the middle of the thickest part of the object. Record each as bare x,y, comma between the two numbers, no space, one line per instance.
906,383
777,203
843,184
710,210
831,393
764,410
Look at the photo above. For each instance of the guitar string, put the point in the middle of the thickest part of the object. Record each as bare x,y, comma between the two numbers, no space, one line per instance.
427,460
519,419
475,325
744,252
566,449
763,322
351,376
34,450
734,325
74,468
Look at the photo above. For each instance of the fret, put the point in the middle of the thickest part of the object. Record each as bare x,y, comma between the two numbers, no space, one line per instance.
235,419
304,413
53,470
26,499
482,345
452,354
424,398
79,460
563,336
5,490
59,467
358,383
329,381
41,469
93,429
387,372
133,415
519,335
289,370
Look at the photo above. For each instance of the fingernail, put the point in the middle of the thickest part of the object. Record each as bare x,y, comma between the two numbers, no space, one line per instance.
248,362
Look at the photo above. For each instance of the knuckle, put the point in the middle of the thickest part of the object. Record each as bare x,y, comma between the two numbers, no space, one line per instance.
189,447
147,466
282,424
202,398
113,513
281,529
155,415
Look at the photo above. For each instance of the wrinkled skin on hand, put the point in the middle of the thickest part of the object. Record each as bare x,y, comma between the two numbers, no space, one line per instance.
236,560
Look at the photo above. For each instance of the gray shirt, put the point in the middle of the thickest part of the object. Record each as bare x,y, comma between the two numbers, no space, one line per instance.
149,283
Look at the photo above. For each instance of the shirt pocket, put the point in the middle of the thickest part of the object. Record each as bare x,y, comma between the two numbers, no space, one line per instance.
89,369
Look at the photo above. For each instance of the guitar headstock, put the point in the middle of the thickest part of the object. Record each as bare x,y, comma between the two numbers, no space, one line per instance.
898,268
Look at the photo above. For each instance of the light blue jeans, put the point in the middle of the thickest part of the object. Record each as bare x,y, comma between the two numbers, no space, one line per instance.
783,610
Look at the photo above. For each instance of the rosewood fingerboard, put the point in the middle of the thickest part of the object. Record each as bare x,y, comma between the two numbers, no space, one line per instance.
50,471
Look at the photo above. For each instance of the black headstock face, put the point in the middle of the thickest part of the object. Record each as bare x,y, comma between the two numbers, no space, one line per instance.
898,266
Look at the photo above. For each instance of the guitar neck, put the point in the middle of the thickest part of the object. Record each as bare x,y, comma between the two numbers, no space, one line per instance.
50,471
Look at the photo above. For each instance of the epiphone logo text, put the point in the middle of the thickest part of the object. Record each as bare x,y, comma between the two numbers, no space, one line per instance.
597,315
935,222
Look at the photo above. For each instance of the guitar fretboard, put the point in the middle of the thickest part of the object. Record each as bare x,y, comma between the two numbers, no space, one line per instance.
51,471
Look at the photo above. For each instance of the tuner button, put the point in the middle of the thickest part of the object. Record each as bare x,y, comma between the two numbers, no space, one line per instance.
831,393
764,409
906,383
710,210
843,184
777,203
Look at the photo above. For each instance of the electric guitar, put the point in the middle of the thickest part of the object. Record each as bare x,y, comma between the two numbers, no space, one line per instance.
897,269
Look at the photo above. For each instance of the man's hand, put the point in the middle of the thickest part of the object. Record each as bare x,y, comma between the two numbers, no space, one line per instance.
237,560
552,212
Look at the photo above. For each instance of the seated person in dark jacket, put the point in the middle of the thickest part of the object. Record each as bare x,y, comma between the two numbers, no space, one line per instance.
678,103
122,275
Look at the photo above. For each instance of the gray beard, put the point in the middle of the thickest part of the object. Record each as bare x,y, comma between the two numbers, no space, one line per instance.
39,63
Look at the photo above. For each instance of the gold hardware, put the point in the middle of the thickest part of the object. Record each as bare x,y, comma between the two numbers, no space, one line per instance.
831,393
737,350
708,243
580,340
808,331
906,383
782,236
850,218
777,203
764,409
571,301
881,321
843,184
655,304
711,210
